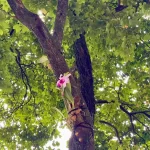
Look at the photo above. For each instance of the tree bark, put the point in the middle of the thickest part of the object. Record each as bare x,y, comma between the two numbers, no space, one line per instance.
84,66
79,119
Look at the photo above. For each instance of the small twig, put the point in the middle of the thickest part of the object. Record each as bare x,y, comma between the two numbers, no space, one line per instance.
141,122
103,101
23,103
115,129
141,112
130,115
142,139
23,74
28,65
25,81
145,43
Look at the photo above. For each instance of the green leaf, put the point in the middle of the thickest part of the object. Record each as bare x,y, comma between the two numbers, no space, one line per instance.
1,32
17,27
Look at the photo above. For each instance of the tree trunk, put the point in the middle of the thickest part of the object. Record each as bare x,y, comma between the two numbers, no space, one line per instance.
79,119
83,135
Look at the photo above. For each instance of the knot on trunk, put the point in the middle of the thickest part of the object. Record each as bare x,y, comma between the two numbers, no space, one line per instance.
82,137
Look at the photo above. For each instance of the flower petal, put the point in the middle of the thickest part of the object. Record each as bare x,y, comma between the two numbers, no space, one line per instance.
63,80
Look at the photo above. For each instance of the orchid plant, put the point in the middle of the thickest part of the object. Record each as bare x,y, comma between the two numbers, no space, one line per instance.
64,85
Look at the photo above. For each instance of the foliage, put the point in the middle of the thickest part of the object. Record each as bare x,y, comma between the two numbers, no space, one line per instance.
119,47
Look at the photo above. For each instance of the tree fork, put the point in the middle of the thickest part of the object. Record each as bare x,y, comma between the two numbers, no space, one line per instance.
81,121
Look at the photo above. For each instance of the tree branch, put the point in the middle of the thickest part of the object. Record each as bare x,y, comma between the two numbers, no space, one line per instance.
24,76
29,19
141,112
103,101
131,121
120,6
26,99
130,117
124,110
115,129
146,114
34,23
130,114
83,63
141,122
60,19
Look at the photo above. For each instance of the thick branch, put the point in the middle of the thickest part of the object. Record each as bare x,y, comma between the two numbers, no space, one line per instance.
115,129
29,19
34,23
124,110
61,14
83,63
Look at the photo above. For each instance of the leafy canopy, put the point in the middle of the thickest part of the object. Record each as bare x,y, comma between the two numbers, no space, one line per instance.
119,46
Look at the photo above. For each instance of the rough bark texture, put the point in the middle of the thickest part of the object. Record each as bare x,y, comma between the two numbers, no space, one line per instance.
61,13
34,23
83,63
79,119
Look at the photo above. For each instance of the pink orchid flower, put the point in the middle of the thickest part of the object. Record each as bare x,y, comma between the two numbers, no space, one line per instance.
63,80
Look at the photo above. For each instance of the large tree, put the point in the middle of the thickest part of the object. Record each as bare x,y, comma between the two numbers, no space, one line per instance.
104,45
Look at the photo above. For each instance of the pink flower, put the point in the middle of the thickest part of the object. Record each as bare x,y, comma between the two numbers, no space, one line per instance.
63,80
